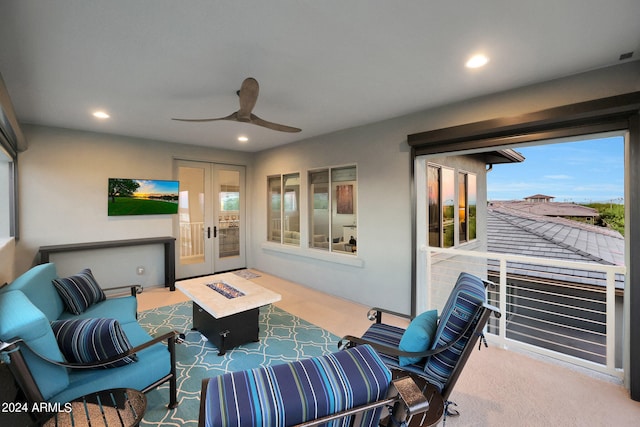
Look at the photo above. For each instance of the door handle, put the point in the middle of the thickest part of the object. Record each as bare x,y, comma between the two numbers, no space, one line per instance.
215,231
208,232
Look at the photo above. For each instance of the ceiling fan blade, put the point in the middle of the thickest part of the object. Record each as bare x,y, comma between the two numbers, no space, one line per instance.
248,95
270,125
232,117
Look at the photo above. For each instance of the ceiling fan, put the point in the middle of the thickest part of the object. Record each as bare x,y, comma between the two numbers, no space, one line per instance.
248,95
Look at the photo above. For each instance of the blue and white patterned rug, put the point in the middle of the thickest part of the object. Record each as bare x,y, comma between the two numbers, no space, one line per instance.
283,338
246,274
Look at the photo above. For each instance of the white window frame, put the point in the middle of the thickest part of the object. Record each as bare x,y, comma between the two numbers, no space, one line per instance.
457,239
331,211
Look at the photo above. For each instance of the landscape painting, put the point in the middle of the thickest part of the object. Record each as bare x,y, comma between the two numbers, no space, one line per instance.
142,197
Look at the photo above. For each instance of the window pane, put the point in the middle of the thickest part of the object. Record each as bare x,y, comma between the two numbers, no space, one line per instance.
291,214
472,195
319,195
344,209
274,228
462,207
5,196
448,200
433,183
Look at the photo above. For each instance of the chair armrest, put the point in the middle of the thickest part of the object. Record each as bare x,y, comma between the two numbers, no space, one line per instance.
350,340
375,313
169,336
489,283
135,289
405,399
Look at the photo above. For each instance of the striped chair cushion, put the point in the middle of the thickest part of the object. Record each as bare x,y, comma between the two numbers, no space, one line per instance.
390,336
79,292
296,392
92,340
463,306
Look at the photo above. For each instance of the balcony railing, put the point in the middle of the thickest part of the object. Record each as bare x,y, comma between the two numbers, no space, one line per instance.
568,310
191,240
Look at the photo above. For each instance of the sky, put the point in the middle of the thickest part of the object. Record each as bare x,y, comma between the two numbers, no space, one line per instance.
580,172
156,186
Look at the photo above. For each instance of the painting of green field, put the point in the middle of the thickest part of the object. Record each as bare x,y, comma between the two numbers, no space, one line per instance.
142,197
131,206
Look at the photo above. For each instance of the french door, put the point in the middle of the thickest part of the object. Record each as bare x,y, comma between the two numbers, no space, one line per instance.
211,218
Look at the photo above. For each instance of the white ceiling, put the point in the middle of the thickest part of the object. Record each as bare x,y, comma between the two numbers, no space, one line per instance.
322,65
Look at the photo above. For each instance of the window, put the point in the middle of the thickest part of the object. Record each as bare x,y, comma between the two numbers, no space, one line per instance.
283,213
466,206
7,207
333,210
445,227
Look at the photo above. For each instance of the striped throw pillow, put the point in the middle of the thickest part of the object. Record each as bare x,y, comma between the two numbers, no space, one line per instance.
79,292
92,340
462,308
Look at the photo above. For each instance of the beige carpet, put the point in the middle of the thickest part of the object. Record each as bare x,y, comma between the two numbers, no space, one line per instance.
497,387
505,388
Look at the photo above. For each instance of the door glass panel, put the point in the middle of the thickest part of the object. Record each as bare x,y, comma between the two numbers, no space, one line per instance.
191,215
229,213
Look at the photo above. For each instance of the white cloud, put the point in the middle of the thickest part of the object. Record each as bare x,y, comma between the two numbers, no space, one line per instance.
558,177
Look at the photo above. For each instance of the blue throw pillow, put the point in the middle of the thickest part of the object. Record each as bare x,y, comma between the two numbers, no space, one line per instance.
79,292
92,340
418,336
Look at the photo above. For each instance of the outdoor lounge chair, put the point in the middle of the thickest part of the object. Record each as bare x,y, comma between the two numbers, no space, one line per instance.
104,346
346,388
447,343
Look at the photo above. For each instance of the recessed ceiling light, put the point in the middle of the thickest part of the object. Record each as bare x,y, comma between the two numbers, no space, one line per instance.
243,139
101,115
477,61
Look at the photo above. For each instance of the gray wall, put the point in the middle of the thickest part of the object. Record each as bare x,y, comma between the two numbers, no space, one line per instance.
381,153
63,187
64,176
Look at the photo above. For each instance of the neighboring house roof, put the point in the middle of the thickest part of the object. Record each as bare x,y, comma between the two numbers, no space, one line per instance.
540,197
512,231
549,208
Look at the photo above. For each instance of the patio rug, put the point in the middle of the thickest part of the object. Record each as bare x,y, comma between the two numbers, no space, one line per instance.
283,338
246,274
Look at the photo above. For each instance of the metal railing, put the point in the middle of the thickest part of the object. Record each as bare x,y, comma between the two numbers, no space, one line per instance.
191,240
568,310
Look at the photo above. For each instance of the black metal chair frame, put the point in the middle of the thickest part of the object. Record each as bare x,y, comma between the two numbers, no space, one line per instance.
476,326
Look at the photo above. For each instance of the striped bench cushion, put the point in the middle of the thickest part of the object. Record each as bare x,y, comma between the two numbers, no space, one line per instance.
463,306
296,392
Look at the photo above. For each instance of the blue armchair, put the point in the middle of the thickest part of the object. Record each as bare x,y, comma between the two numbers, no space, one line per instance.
31,305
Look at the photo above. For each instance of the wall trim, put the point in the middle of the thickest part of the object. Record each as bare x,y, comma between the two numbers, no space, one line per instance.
315,254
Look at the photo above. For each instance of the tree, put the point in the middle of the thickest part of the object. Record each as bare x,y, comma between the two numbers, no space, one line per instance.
122,188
